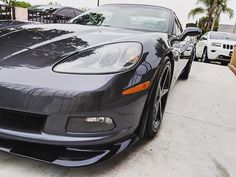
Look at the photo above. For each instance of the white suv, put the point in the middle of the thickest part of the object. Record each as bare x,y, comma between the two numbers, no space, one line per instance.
216,46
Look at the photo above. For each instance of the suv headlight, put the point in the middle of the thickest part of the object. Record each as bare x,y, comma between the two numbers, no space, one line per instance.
216,44
108,58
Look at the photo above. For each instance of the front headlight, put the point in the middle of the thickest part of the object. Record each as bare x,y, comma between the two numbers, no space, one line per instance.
216,44
108,58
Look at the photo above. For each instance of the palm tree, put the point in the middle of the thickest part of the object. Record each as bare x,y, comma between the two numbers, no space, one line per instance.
221,7
8,2
212,10
206,8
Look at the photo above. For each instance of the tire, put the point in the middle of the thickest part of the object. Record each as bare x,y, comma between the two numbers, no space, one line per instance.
195,58
205,58
225,63
159,95
185,74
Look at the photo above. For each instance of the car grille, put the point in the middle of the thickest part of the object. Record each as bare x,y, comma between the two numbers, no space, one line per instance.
227,46
21,121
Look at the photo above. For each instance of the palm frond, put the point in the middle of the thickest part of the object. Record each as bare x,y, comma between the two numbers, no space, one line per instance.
196,11
222,7
228,11
206,3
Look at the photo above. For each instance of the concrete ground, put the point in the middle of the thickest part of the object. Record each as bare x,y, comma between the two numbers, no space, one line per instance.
197,137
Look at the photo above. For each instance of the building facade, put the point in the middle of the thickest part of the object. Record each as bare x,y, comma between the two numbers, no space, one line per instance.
227,28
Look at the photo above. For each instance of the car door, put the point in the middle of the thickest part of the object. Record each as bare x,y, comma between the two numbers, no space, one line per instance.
201,45
182,48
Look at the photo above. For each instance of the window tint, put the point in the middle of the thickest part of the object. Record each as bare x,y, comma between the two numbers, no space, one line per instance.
204,37
66,12
77,12
177,28
132,17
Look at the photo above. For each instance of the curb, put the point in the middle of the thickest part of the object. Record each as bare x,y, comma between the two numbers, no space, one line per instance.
233,68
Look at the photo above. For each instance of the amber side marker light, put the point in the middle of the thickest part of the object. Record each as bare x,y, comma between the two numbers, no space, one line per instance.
137,88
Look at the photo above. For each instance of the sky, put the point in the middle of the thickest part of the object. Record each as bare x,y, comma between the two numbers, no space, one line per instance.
181,7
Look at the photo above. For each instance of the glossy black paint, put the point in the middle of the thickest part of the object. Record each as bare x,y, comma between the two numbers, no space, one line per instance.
65,156
9,23
28,85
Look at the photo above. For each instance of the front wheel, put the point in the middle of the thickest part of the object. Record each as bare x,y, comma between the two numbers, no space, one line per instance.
158,100
205,56
225,63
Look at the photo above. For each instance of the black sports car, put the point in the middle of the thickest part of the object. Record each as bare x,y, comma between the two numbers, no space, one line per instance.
76,94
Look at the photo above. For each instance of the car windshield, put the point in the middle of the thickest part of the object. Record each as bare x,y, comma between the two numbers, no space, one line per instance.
145,18
223,36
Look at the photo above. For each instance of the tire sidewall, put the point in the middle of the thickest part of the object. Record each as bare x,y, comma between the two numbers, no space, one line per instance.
205,56
149,132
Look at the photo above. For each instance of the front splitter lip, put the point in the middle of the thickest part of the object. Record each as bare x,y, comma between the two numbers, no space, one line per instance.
66,156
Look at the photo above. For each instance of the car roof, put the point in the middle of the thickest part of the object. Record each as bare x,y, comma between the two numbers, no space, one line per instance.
138,5
221,32
60,9
48,6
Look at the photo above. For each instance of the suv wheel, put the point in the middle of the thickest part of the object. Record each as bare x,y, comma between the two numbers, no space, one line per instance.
205,56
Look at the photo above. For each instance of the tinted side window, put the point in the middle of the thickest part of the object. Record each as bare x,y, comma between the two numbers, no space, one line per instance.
177,28
204,37
66,12
77,12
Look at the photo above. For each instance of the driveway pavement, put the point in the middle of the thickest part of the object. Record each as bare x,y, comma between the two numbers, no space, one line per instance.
197,138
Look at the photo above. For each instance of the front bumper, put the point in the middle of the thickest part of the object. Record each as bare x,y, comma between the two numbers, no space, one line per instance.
52,143
67,156
219,54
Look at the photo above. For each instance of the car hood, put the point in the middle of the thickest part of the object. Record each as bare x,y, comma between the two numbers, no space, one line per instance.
39,46
229,42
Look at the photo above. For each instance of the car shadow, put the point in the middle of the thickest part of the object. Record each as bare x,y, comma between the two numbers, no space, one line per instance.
211,62
103,168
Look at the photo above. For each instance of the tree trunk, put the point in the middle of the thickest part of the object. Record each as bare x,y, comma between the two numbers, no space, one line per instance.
213,24
216,18
214,11
98,3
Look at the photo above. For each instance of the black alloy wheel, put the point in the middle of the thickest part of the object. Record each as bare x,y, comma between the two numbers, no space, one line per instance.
159,100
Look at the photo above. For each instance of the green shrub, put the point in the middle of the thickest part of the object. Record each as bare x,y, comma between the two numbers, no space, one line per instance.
22,4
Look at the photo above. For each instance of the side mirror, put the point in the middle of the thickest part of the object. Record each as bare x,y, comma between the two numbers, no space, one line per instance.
191,31
203,39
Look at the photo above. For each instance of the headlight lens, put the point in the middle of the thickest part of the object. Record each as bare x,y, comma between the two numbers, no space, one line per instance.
104,59
216,44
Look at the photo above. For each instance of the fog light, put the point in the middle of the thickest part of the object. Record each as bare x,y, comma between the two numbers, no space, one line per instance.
90,124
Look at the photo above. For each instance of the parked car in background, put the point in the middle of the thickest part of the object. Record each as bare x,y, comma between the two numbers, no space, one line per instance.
79,93
52,13
216,46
